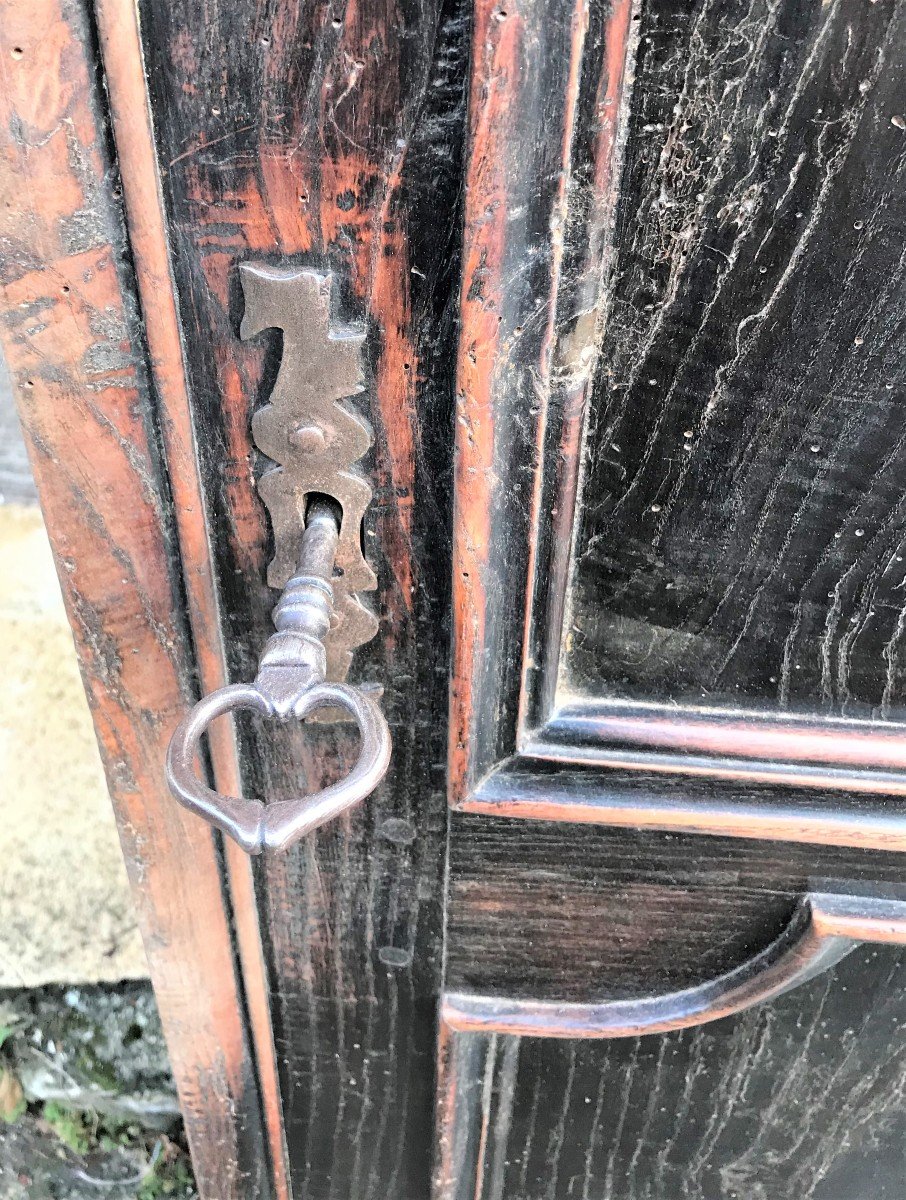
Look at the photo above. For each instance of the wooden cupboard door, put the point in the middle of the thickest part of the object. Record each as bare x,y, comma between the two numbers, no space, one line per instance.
622,920
149,152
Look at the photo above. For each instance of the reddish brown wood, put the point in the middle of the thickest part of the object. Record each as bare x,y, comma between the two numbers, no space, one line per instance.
823,929
129,109
69,333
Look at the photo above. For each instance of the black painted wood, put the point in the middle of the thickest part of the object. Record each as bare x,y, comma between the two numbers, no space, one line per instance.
743,516
551,911
796,1100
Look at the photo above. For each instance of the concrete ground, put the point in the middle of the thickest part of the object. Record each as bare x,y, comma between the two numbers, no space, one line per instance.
65,909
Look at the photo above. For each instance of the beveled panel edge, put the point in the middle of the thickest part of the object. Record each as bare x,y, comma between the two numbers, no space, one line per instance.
823,929
819,781
533,296
598,726
666,793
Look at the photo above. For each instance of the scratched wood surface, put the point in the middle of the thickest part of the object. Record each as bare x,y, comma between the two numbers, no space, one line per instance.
333,138
799,1099
743,513
72,336
549,911
338,137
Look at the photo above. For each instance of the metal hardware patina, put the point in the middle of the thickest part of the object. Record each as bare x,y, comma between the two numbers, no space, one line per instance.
315,439
314,491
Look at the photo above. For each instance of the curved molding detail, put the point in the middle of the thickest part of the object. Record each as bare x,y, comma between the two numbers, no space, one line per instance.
824,928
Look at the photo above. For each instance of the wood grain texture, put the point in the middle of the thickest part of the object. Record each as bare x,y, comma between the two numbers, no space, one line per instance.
332,138
580,913
545,109
797,1097
800,1098
72,336
823,929
577,911
555,295
742,528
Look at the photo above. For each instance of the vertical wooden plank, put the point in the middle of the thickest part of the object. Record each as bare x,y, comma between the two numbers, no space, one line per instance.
547,93
71,334
332,137
131,120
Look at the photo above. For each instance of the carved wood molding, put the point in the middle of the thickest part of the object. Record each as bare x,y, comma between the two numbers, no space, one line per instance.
645,793
824,928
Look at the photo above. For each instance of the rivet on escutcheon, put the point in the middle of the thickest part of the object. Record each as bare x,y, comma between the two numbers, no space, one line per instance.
309,439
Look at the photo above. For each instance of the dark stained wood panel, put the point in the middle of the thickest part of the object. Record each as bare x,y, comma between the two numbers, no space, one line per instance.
332,137
799,1099
742,536
551,911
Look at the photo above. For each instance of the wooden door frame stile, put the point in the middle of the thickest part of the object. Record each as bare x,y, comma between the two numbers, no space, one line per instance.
124,68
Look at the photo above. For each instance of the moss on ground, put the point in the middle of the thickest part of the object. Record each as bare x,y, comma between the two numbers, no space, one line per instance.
86,1098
